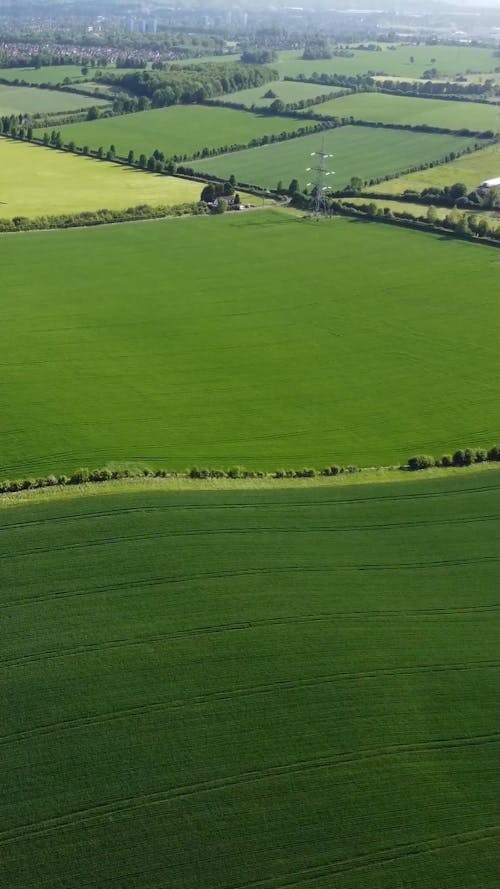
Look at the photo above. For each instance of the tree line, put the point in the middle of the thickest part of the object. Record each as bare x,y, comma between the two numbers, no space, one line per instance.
82,476
366,83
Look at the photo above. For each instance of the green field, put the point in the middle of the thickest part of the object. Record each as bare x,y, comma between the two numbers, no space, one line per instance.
403,110
37,181
450,61
286,90
46,74
421,209
238,689
29,100
179,130
357,151
256,339
470,169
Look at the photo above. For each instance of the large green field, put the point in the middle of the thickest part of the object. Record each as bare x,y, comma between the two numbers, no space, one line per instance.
37,181
256,339
179,130
449,61
404,110
286,90
30,100
471,169
357,151
265,689
45,74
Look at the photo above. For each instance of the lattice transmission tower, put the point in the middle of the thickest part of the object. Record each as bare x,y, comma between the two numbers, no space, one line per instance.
319,206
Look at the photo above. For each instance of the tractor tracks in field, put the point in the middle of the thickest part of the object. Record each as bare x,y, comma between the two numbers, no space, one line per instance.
242,692
109,645
384,856
271,530
219,576
107,811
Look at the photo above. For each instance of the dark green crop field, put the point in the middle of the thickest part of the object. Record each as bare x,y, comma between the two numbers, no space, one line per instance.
257,339
364,152
251,689
179,130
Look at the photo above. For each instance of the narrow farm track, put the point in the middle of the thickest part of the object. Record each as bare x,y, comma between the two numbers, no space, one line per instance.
251,689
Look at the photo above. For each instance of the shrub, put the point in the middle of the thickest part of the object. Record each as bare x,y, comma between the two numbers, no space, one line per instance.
421,461
79,477
480,455
446,460
459,458
50,481
494,453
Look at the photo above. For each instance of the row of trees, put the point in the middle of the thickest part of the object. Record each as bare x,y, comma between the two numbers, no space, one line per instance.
462,457
98,217
83,475
437,89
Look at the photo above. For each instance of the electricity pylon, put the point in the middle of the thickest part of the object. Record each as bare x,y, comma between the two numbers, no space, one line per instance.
319,206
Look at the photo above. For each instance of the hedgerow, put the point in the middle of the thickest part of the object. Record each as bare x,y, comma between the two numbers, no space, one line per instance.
81,476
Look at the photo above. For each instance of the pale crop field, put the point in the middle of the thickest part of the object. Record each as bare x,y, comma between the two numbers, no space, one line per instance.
37,181
286,90
471,169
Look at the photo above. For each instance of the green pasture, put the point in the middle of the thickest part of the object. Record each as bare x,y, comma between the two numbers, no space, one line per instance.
46,74
357,151
179,130
238,688
255,339
404,110
286,90
449,61
37,181
471,169
30,100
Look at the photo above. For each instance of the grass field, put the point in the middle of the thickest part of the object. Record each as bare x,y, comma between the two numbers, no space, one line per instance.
18,99
238,689
421,209
357,151
260,340
286,90
36,181
470,169
179,130
449,60
46,74
403,110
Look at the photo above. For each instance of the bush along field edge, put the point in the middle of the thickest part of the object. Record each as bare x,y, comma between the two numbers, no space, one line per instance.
461,458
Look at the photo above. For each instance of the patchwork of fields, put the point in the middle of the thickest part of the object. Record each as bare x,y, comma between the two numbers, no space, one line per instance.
157,354
357,151
403,110
179,130
37,181
30,100
248,683
224,689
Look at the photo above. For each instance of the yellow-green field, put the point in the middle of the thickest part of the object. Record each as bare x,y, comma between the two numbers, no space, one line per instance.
471,169
30,100
36,181
418,209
